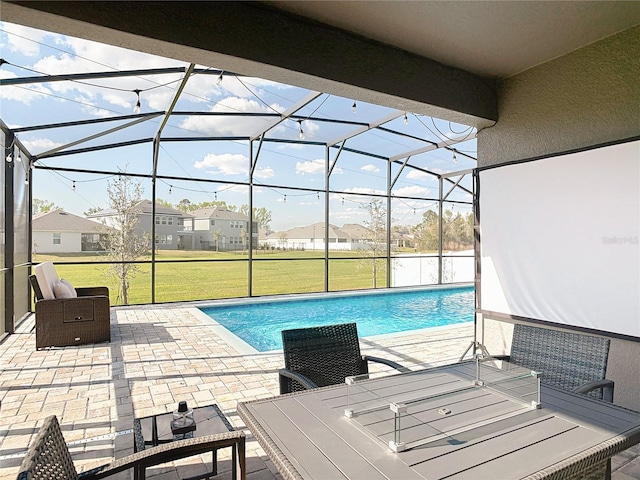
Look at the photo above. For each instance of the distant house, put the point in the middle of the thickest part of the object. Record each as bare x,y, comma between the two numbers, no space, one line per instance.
63,232
312,237
220,229
170,223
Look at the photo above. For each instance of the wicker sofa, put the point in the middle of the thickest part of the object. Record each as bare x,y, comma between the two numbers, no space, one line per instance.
65,315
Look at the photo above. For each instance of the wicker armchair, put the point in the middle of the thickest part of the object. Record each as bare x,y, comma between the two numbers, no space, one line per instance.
321,356
73,320
48,456
570,361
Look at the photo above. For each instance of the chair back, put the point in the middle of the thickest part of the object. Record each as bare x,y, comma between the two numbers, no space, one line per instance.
566,360
325,354
47,278
48,456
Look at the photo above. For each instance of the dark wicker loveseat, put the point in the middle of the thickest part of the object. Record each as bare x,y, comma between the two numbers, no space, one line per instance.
75,316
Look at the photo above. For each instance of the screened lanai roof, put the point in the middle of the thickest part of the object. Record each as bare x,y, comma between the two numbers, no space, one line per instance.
88,107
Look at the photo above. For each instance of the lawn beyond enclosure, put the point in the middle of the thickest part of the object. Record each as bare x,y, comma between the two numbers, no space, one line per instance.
217,275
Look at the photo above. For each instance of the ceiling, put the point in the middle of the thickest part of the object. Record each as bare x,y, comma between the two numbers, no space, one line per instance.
489,38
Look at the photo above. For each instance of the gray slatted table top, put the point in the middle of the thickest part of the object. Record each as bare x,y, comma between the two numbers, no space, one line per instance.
307,435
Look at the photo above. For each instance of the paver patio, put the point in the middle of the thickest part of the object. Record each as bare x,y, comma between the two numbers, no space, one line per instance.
158,356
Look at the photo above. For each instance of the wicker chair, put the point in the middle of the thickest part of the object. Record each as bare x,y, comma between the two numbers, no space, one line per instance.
570,361
61,322
321,356
48,456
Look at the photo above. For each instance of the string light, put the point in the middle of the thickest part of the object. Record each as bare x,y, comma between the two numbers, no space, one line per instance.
285,199
301,131
170,188
354,107
215,196
9,158
18,157
73,186
219,80
406,119
136,109
342,200
455,159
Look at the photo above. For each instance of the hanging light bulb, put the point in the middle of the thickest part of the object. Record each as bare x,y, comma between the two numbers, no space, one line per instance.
406,119
136,109
354,107
219,80
18,157
215,196
9,158
455,159
26,181
74,186
170,188
285,199
301,131
342,200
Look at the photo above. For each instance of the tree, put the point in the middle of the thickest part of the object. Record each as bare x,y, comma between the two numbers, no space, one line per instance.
184,205
92,210
217,234
426,233
376,223
121,241
261,215
162,201
42,206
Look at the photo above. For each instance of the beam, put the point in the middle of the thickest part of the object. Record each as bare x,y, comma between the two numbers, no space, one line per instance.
325,58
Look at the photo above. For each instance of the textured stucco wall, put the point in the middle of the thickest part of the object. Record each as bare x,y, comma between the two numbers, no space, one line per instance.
588,97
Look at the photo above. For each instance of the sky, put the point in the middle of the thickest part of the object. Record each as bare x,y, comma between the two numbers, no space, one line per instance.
29,52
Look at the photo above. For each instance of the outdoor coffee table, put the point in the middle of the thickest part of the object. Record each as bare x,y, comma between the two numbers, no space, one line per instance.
452,431
155,430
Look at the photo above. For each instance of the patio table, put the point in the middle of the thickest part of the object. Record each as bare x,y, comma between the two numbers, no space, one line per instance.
156,429
308,434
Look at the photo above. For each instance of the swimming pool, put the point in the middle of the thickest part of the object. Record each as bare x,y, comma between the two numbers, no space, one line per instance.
259,324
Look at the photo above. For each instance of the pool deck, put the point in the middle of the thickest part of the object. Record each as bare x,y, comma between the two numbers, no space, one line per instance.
158,356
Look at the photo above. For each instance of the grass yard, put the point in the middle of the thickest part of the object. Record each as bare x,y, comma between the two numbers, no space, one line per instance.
219,275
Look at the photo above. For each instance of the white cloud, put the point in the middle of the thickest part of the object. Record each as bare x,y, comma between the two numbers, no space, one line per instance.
310,167
225,164
419,175
22,40
39,145
412,191
370,168
265,172
364,190
240,126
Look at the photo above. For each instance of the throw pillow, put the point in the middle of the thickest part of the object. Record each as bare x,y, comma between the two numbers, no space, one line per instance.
66,282
60,290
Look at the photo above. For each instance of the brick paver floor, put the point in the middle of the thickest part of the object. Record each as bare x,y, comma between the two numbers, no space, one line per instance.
158,356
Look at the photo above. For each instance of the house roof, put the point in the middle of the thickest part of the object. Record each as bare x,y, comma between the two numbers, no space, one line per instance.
316,230
61,221
144,207
219,213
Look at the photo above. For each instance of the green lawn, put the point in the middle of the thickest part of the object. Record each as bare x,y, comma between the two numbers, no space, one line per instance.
223,274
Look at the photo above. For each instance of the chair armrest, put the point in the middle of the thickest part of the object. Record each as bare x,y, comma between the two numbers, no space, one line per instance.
169,452
606,386
285,375
92,291
384,361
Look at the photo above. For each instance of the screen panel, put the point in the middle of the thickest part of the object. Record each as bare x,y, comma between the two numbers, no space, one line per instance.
559,239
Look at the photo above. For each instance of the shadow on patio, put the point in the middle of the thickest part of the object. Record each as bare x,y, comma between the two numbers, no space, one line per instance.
158,356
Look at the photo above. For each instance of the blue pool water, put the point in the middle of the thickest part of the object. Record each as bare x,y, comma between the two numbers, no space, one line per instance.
260,324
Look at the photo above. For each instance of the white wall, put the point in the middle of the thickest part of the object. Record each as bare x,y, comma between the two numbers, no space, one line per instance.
70,242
